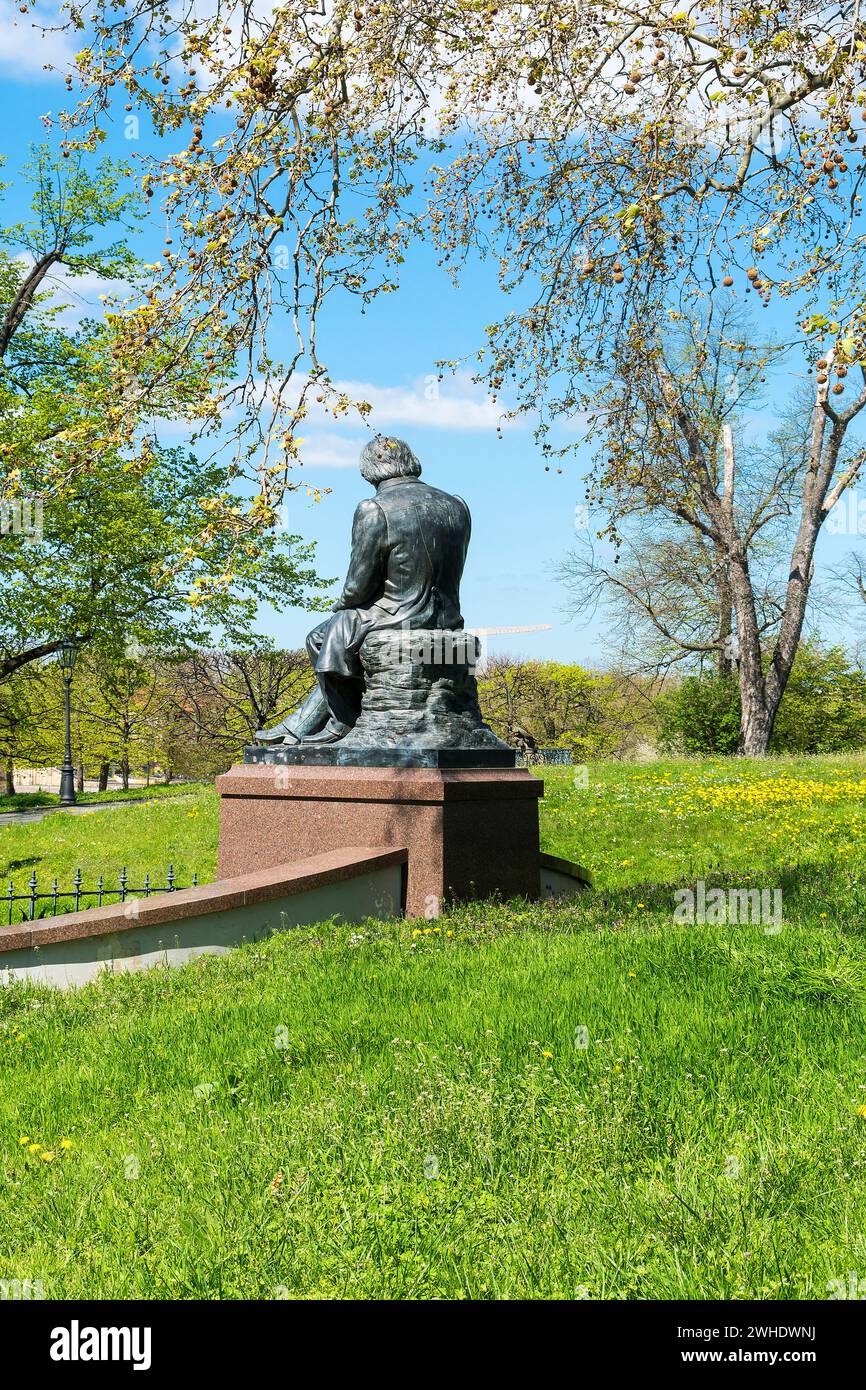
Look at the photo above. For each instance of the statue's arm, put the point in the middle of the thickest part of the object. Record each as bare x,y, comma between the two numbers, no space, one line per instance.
366,578
465,505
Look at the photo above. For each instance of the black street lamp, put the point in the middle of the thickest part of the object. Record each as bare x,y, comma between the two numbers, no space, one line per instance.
66,657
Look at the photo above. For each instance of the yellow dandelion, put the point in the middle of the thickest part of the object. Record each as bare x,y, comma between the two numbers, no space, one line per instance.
632,974
25,1139
47,1156
862,1112
66,1143
33,1148
641,904
547,1055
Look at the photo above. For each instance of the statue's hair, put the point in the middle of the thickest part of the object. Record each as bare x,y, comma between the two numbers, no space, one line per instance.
384,457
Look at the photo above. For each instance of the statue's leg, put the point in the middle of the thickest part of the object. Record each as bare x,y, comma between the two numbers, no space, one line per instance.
338,670
311,714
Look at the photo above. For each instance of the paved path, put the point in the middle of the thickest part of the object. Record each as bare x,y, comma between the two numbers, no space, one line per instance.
36,813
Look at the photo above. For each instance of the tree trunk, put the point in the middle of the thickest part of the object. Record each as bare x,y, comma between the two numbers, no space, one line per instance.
168,775
80,778
756,720
9,777
725,659
756,726
124,772
724,587
103,777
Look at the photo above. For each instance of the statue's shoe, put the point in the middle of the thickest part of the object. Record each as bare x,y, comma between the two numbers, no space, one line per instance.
278,734
332,733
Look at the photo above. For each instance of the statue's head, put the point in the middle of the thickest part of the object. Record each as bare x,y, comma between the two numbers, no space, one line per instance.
385,458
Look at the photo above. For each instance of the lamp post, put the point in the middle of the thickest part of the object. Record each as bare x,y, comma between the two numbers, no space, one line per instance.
67,655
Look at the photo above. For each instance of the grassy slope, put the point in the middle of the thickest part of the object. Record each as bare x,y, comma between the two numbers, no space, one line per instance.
180,830
397,1111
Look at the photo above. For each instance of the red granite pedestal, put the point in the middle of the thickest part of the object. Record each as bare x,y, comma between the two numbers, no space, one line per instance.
469,832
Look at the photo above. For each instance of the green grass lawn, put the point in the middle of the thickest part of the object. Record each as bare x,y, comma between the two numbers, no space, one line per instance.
179,830
29,801
570,1100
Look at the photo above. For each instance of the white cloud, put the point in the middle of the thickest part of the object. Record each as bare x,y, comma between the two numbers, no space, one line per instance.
452,404
331,451
27,49
455,403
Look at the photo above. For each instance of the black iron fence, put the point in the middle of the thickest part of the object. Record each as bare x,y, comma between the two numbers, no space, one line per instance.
73,898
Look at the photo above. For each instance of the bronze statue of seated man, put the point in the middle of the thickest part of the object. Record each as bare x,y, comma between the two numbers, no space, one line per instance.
409,546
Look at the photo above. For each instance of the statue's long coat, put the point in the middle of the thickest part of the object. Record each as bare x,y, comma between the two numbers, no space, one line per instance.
409,546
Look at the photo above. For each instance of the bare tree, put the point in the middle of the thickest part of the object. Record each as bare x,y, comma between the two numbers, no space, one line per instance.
679,467
223,697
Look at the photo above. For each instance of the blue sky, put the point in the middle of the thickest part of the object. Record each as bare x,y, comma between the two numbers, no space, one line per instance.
523,517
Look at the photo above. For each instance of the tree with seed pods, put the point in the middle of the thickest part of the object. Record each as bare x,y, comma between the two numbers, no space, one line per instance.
608,155
621,162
